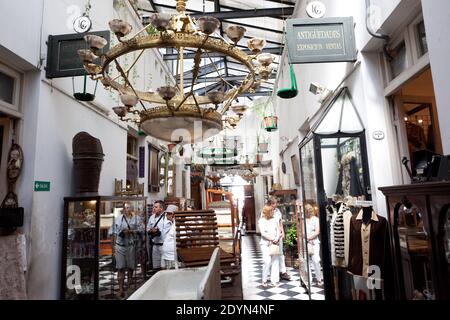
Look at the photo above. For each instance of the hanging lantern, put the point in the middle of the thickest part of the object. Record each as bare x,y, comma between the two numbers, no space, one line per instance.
271,123
85,95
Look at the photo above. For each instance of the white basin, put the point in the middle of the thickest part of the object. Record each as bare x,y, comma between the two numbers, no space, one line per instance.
184,284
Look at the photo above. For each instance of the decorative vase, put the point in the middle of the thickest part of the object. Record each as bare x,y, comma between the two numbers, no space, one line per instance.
87,159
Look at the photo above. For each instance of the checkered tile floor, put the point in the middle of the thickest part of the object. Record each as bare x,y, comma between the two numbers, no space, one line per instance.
108,282
252,278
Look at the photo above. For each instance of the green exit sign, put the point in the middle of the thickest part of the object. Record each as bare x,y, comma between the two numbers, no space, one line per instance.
42,186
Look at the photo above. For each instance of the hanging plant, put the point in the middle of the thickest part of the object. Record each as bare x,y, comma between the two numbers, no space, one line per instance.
271,123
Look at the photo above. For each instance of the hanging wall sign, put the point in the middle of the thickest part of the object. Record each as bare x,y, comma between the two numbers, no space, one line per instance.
62,55
321,40
315,9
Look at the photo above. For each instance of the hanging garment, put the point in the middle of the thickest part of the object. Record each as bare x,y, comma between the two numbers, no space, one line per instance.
349,183
356,188
369,244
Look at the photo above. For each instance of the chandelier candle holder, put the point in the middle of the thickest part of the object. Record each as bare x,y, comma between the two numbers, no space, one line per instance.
175,106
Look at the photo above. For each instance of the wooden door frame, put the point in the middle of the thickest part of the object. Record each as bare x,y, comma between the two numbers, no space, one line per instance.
6,145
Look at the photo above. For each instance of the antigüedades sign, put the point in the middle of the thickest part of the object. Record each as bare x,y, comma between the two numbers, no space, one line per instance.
321,40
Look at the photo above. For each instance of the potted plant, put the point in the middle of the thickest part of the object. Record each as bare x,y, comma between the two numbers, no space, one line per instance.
290,243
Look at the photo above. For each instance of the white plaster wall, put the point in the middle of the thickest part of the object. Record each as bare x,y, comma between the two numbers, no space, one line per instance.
29,15
437,18
60,118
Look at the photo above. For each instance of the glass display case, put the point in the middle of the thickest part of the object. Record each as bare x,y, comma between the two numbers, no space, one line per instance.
333,162
88,269
419,220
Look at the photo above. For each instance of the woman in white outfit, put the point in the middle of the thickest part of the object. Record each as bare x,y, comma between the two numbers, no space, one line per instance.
312,234
270,234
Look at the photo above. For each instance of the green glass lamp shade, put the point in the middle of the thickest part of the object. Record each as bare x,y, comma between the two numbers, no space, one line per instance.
288,93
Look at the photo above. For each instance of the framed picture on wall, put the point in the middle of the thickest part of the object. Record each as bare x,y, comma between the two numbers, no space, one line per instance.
153,169
295,169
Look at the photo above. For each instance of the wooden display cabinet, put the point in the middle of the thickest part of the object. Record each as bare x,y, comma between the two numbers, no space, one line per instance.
419,216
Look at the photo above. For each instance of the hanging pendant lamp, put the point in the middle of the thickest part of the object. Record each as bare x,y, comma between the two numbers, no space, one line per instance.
289,93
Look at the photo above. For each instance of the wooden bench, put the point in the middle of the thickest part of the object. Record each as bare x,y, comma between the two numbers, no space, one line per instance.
197,236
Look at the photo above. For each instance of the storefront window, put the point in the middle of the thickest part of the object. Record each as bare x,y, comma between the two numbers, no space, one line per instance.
415,253
398,63
309,174
6,88
423,45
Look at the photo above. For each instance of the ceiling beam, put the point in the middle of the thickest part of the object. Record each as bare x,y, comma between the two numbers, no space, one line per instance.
228,78
275,50
204,90
204,70
152,3
256,94
200,13
240,14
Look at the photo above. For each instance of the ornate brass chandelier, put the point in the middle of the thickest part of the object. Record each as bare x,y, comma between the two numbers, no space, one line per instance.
170,108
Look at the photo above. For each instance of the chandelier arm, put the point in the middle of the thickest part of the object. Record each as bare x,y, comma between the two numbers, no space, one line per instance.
214,65
227,105
181,87
182,101
177,69
119,67
137,33
197,105
135,61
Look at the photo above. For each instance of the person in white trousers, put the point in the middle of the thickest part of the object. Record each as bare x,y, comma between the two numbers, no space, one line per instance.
270,234
168,259
277,215
312,234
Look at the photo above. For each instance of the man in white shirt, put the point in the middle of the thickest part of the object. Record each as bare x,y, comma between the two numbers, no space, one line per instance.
277,215
155,227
